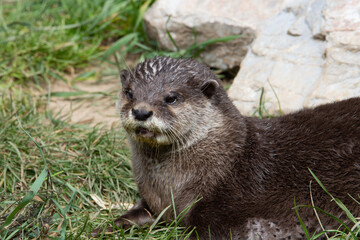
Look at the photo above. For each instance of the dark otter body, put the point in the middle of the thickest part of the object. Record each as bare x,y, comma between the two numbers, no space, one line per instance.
187,137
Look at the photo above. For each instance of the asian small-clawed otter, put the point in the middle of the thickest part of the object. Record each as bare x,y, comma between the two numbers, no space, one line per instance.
188,141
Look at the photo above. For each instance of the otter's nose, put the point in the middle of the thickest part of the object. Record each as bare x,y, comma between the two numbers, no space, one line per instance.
141,115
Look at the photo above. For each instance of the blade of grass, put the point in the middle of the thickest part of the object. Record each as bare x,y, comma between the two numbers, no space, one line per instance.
68,94
63,211
156,221
141,13
330,215
276,96
337,201
82,229
316,213
119,44
300,220
33,140
170,36
212,41
28,197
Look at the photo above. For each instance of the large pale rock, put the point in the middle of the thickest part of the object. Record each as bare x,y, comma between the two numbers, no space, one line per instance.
341,74
306,55
195,21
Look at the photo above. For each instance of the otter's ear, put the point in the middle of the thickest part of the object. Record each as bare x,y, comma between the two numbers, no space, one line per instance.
209,88
125,77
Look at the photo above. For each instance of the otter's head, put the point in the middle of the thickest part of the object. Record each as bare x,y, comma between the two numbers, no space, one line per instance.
167,101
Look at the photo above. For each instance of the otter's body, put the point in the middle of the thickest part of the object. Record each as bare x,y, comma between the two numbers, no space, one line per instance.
188,139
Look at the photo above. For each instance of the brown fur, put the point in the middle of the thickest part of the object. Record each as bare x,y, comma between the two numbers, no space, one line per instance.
247,171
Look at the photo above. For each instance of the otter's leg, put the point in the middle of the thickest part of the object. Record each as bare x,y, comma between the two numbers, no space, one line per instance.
140,214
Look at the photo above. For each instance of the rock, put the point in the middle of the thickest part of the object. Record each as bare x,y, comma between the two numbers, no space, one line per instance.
314,17
293,53
298,28
306,55
196,21
341,74
284,60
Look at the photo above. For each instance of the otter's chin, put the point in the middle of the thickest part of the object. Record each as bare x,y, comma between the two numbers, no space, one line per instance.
144,135
163,139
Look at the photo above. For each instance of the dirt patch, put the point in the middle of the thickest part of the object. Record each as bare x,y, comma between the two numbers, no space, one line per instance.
89,101
95,106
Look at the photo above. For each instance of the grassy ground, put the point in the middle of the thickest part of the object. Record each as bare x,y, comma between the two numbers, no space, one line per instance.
45,39
56,176
80,162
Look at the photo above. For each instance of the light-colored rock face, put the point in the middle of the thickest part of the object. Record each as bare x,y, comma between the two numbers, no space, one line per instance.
299,53
307,55
341,73
196,21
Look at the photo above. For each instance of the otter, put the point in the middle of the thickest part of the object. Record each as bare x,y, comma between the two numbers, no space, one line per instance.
190,144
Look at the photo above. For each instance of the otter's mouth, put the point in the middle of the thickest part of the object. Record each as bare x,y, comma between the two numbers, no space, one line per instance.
144,132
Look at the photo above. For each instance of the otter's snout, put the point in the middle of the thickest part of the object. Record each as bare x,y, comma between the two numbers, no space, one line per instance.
141,114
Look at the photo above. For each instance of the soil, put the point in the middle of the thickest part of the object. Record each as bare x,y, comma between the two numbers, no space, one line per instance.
90,109
98,105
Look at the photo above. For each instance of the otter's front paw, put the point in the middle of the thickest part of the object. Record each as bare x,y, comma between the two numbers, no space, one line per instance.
138,215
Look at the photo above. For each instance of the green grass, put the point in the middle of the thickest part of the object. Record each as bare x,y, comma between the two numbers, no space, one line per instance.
349,230
43,39
78,161
50,169
81,160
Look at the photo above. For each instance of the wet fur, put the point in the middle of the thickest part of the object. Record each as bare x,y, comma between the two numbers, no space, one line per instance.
247,171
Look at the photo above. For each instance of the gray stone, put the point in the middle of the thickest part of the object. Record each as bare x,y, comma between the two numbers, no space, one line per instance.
314,18
308,54
299,27
284,60
293,53
341,73
210,20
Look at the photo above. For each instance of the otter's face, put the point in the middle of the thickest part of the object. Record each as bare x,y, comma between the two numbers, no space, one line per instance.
160,101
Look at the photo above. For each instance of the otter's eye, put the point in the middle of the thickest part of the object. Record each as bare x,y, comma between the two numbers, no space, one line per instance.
128,93
171,98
